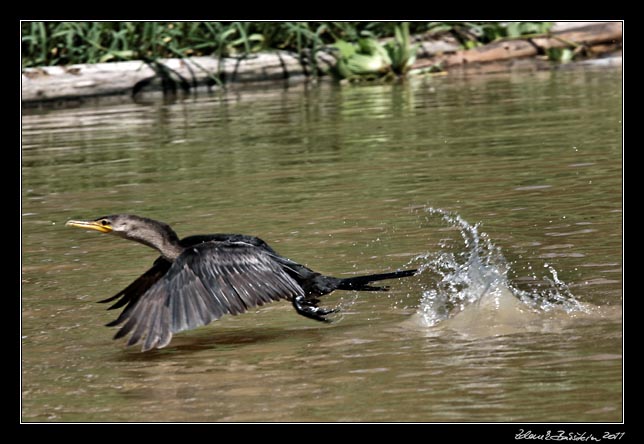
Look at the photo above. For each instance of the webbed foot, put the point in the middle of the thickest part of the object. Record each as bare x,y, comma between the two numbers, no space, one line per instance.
308,308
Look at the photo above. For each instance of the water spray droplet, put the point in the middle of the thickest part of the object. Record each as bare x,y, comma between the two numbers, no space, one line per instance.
464,276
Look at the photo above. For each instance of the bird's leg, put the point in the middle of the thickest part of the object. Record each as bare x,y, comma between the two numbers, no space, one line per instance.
308,307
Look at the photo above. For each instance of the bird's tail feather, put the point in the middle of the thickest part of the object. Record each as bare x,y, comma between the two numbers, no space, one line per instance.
361,283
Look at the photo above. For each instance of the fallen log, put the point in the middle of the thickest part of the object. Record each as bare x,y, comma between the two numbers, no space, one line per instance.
74,81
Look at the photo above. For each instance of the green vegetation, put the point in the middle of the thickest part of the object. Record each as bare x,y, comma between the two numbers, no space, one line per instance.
473,34
62,43
356,45
369,59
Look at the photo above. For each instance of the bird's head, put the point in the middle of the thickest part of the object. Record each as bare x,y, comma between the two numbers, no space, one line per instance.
124,225
140,229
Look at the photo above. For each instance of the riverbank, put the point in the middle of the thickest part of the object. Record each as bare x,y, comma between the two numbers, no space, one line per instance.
77,82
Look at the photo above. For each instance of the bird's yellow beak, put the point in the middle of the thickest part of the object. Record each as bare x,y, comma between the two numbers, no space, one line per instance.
98,225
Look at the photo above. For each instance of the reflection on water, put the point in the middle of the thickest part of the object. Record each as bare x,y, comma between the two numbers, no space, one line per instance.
334,177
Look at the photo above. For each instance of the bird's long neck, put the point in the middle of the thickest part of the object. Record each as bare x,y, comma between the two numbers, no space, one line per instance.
163,239
168,247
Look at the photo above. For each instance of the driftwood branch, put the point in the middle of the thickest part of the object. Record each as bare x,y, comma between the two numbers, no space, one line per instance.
605,35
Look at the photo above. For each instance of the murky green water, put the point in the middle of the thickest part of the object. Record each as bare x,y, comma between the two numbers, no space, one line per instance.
330,176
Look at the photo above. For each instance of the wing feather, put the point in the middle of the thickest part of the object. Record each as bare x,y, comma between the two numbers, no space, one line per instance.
140,285
204,283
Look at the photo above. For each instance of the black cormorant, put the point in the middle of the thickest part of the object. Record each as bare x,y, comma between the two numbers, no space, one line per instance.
198,279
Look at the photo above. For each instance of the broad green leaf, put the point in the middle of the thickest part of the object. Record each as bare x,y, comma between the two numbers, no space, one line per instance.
346,49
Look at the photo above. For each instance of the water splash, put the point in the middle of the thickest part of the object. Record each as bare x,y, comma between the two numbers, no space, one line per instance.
474,276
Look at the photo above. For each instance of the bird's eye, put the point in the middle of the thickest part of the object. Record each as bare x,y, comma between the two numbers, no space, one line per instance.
104,222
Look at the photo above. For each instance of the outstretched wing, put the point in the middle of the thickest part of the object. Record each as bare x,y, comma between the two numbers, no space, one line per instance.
204,283
131,294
